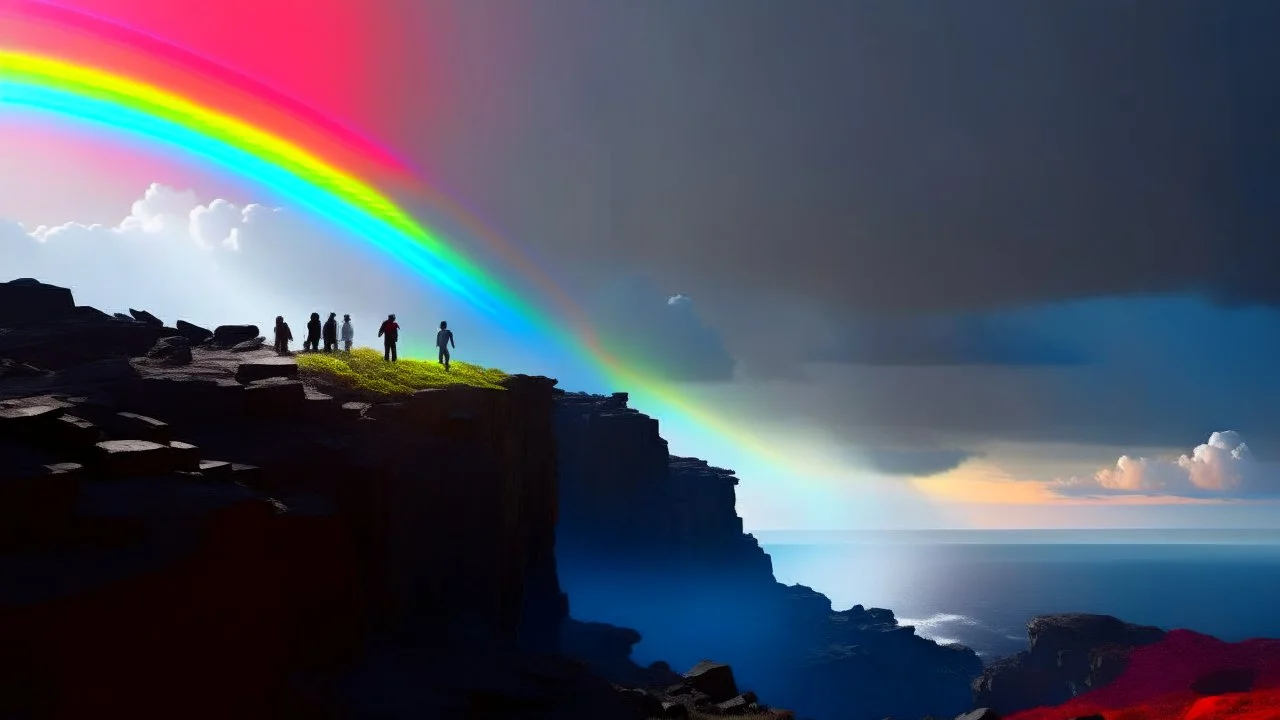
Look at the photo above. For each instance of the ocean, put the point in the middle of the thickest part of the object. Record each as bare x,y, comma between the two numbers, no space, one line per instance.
980,587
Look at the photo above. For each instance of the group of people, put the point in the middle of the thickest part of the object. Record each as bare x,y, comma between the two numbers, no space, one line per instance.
329,332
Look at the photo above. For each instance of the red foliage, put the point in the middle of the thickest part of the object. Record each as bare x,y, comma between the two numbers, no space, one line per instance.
1158,683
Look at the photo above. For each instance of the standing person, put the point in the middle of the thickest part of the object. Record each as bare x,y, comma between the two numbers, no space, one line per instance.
283,335
331,333
444,338
313,333
390,334
348,333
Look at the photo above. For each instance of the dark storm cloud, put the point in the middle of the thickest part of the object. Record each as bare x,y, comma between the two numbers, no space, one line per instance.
1164,372
934,154
950,339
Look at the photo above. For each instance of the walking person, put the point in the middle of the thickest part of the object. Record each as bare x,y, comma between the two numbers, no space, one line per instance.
348,333
331,333
444,338
283,336
312,342
390,334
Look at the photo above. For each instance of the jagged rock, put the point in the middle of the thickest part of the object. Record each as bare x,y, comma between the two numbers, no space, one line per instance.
739,704
193,333
27,300
671,709
72,435
215,468
123,316
713,678
232,335
146,318
1068,654
274,397
27,420
133,458
249,345
263,368
138,426
648,705
980,714
1225,680
89,314
185,456
173,350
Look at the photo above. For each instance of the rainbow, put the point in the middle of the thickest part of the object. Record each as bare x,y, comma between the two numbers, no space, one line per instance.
91,95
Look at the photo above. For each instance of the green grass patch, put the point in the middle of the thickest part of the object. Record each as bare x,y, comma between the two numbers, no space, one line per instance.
364,369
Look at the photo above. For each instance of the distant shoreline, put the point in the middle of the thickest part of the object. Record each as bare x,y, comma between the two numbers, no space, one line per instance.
1177,536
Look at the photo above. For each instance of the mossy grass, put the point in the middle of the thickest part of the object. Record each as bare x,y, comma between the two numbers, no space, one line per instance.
364,369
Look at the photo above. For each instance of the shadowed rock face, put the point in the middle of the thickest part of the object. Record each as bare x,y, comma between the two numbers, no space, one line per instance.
1067,655
653,541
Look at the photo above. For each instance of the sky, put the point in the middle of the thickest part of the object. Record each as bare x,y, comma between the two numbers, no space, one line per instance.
982,264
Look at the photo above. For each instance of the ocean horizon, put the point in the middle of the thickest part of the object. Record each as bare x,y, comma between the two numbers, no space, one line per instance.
981,587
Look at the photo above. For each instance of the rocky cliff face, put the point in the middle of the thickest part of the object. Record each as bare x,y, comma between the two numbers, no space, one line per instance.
654,542
1067,656
190,531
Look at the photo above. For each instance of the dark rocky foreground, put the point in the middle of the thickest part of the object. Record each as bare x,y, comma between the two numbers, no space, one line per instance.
188,529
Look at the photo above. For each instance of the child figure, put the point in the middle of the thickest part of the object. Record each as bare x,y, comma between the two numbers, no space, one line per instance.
283,336
444,338
348,333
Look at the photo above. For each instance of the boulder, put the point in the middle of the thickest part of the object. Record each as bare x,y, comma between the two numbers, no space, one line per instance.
739,704
27,421
87,313
713,678
146,318
132,425
193,333
122,316
185,456
133,458
249,345
30,301
231,335
271,367
647,705
215,468
71,435
274,397
173,350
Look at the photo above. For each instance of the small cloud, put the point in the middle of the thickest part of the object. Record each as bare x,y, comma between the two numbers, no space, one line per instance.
1220,467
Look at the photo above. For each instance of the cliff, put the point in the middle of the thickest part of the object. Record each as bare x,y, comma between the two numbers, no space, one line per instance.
189,530
653,541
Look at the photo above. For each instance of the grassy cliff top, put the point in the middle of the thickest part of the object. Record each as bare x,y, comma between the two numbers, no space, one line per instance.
364,369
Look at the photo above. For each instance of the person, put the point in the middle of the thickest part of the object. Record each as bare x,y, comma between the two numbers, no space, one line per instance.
444,337
313,333
390,334
331,333
348,333
283,335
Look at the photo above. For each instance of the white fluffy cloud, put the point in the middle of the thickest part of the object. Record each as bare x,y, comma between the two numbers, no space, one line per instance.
1221,467
210,263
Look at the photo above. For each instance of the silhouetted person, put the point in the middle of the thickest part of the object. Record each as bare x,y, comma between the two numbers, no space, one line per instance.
444,338
348,333
390,333
313,333
331,333
283,335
